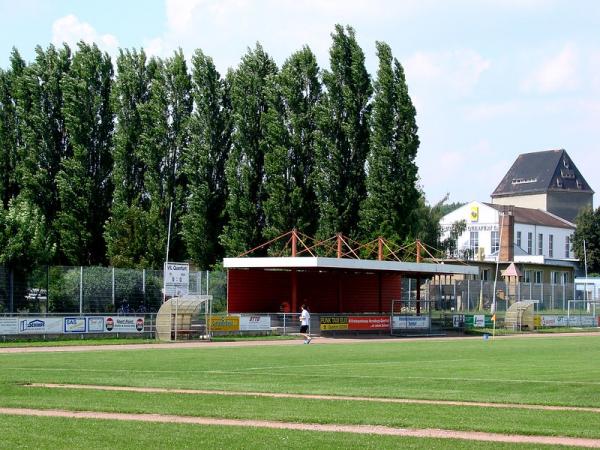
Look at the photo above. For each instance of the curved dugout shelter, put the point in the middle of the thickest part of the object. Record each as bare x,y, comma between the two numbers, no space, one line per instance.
328,285
176,315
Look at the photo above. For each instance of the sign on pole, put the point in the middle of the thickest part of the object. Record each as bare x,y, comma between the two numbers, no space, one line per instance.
177,279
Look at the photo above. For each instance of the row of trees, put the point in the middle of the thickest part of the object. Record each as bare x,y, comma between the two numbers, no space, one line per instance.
92,156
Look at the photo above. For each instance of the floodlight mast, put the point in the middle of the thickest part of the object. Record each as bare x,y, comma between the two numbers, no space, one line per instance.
167,255
500,223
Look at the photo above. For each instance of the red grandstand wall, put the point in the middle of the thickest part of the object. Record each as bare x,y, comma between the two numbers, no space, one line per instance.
259,290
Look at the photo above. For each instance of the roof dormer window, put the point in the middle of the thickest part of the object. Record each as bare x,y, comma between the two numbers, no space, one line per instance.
524,180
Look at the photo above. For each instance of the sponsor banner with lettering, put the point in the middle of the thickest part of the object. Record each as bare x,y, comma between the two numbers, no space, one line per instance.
410,322
225,323
40,325
9,325
566,321
369,323
332,323
255,323
123,324
75,325
478,321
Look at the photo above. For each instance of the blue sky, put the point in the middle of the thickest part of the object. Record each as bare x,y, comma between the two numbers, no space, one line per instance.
490,78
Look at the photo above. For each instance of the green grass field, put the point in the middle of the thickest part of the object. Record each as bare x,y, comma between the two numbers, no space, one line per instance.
560,371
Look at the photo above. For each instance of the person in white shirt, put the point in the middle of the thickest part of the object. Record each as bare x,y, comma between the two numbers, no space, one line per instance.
304,324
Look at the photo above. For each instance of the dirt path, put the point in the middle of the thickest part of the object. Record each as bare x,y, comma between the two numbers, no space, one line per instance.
254,343
358,429
313,397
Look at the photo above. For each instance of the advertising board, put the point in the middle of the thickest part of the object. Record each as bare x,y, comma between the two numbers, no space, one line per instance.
255,323
410,322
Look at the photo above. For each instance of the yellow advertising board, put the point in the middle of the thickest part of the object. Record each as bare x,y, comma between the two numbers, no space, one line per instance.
334,323
225,323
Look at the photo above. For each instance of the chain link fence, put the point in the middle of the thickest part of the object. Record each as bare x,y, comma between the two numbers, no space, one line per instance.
476,295
97,290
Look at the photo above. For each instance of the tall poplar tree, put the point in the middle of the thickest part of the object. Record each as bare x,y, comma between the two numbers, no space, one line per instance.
343,138
245,165
392,172
42,137
204,163
9,186
125,231
289,160
84,183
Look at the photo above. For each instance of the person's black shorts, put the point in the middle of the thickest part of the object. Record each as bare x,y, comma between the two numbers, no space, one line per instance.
303,328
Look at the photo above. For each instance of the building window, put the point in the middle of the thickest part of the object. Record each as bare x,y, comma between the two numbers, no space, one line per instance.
538,276
565,278
485,274
567,247
529,243
518,239
540,244
551,246
474,242
495,241
527,276
554,277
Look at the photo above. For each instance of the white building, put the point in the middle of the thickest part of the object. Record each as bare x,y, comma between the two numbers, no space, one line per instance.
538,238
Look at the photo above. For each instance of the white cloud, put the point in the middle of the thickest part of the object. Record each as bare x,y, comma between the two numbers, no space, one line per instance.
558,73
71,30
455,71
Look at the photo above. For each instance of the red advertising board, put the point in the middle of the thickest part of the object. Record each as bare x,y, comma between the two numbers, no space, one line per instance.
369,323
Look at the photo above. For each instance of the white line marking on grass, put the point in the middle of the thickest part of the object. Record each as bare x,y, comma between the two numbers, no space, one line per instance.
310,397
357,429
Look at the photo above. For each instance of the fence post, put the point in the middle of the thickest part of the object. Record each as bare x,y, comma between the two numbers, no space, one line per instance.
468,294
11,297
80,290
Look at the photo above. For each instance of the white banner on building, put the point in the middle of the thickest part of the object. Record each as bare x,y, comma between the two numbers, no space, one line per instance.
255,323
177,279
406,322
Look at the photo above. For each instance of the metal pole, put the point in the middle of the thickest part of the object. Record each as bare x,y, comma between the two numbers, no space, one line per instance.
468,294
80,290
167,254
113,287
586,273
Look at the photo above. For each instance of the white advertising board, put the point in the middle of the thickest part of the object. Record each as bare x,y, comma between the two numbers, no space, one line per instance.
118,324
566,321
256,323
479,320
9,325
177,279
68,325
406,322
40,325
75,325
